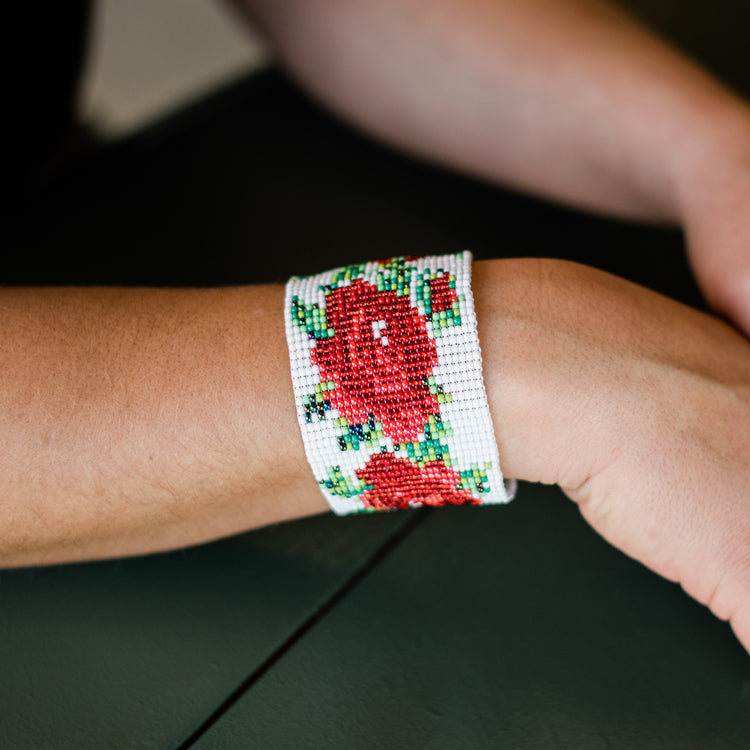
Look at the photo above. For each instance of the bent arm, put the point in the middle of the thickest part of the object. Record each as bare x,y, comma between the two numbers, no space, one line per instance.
570,99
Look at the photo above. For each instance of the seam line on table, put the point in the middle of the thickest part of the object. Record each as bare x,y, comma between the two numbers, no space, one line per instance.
359,574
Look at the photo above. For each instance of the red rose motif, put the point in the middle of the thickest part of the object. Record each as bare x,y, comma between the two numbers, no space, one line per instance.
441,294
377,358
398,483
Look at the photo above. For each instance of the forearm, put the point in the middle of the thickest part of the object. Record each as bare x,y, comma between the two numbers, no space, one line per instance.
136,420
141,420
567,98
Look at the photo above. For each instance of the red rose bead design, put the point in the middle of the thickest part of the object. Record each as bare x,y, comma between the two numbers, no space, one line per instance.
377,359
398,483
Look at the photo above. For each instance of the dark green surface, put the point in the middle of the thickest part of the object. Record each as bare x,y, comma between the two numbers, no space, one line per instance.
504,627
137,653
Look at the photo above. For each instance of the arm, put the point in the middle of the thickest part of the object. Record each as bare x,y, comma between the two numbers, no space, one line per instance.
141,420
570,99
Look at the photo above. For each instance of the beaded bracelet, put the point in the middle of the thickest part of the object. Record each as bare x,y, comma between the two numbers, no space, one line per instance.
387,375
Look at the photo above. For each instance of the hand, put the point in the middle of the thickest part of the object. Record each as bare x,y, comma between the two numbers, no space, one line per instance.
639,407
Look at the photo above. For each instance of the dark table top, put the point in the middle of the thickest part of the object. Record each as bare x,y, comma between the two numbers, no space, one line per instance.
508,627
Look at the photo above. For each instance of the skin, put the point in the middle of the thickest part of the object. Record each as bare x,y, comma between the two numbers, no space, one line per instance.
637,406
138,420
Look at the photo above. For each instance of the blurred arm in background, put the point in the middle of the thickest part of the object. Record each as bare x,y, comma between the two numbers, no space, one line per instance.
569,99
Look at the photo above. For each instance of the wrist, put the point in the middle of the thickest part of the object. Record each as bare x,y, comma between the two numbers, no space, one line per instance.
574,360
529,314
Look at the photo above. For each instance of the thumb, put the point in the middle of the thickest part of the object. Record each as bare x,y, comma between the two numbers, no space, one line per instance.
721,264
716,218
